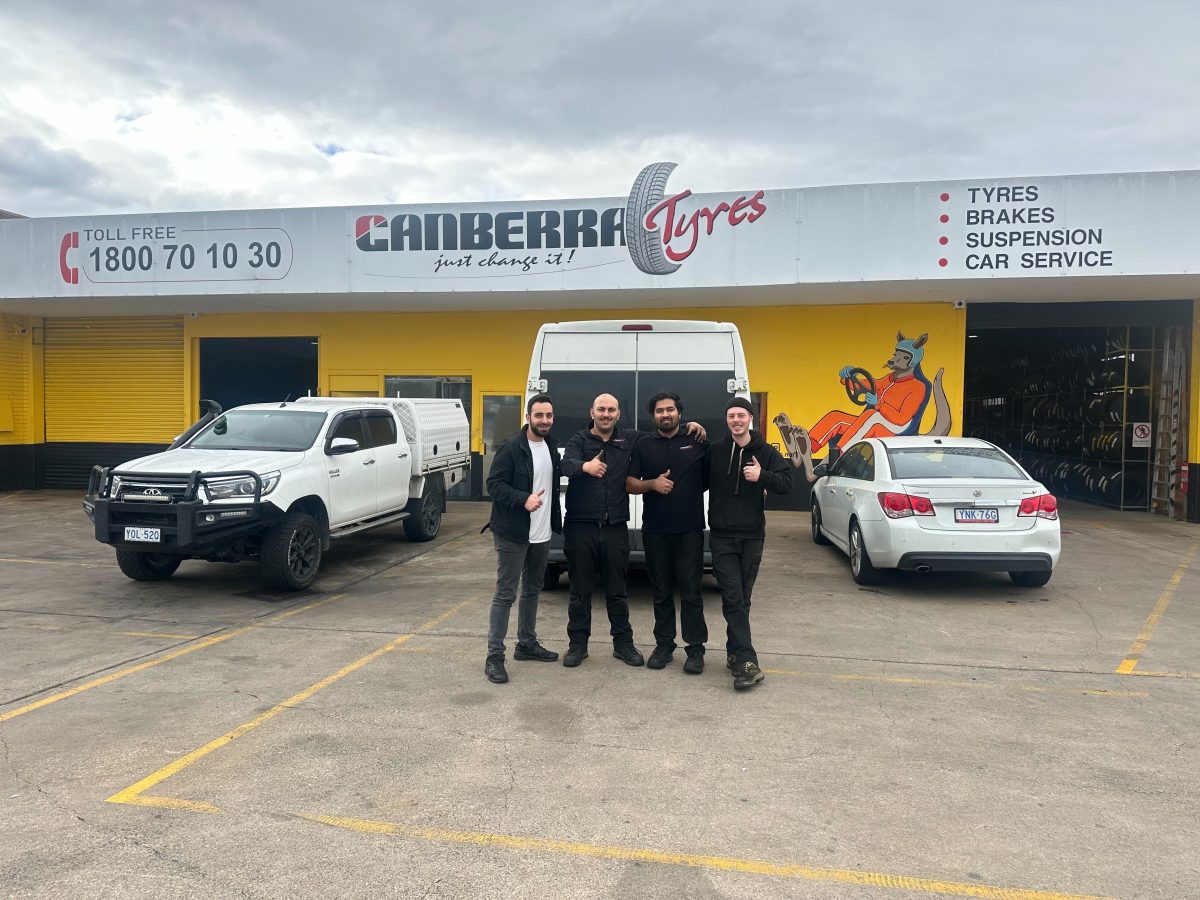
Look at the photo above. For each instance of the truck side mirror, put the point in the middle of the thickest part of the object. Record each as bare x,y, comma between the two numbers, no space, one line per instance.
339,446
821,470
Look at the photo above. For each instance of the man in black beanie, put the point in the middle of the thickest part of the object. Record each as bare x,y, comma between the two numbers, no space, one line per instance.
742,468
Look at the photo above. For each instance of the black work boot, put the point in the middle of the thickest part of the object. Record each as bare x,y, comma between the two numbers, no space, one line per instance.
731,663
660,657
695,662
574,656
628,654
493,668
748,674
535,652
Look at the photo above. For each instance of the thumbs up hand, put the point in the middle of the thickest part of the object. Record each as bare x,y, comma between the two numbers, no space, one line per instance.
752,471
663,483
534,501
596,467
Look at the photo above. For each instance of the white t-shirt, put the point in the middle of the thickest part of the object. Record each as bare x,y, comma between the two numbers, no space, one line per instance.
543,473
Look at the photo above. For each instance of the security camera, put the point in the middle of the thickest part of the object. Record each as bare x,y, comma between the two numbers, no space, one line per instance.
960,304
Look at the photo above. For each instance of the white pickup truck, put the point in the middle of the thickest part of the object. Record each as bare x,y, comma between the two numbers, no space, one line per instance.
276,481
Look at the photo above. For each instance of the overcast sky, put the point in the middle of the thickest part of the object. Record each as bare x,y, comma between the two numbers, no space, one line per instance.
111,106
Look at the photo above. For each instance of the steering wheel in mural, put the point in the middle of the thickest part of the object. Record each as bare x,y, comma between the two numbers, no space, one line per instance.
859,383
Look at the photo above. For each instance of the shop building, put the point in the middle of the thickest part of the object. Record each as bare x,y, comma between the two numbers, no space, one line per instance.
1053,315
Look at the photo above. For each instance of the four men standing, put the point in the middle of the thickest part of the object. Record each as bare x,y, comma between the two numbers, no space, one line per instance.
672,468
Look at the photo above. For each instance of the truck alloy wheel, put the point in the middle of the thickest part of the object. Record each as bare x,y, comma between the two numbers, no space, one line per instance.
425,514
291,552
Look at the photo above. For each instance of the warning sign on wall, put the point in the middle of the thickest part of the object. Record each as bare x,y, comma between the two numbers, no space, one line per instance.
1141,434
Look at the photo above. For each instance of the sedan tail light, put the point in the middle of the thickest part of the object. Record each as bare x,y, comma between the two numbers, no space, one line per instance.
899,506
1044,506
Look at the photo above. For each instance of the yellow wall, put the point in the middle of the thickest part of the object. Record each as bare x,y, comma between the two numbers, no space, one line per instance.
793,352
20,381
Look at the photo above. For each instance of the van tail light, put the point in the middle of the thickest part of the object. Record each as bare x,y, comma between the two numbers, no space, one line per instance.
900,506
1044,506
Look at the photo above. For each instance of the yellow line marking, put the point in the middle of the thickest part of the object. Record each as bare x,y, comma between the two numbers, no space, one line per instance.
57,562
36,626
134,793
157,661
691,860
13,494
931,682
1164,600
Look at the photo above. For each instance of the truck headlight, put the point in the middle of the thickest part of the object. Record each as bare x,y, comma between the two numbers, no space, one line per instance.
239,488
114,487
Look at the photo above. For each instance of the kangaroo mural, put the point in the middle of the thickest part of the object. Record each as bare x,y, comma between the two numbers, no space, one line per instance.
894,404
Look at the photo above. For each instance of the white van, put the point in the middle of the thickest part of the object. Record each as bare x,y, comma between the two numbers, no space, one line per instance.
573,362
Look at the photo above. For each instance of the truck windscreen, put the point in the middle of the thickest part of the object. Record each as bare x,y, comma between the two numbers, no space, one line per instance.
260,429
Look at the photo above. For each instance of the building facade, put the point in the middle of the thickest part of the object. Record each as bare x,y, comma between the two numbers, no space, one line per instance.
1053,315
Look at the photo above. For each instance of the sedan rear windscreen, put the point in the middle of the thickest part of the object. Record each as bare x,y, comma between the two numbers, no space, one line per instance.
950,462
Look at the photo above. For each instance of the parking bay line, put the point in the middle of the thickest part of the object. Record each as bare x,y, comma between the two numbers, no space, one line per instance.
135,794
1134,654
159,660
33,626
691,860
57,562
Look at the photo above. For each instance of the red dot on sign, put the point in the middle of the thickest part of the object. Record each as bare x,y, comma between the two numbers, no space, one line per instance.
943,240
945,197
943,262
944,219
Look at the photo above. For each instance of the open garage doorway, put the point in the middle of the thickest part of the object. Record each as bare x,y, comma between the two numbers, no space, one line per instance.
235,371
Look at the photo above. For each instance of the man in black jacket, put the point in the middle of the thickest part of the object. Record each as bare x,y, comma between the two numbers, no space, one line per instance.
742,467
523,484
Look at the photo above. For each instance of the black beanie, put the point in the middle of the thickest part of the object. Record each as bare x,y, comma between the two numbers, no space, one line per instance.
739,403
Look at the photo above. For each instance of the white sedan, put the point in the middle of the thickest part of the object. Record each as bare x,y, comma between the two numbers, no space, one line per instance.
936,504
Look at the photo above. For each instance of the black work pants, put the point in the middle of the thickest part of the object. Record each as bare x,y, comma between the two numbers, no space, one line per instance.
597,555
676,561
735,565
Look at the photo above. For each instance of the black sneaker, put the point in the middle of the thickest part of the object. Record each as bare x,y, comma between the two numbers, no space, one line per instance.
748,674
628,654
493,668
660,657
574,656
694,664
535,652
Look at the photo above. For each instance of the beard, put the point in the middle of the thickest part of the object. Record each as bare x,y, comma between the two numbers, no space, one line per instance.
541,430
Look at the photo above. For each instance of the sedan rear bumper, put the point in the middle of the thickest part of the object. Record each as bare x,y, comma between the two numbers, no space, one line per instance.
976,562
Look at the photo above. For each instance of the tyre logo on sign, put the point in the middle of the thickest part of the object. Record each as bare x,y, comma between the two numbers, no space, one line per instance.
660,235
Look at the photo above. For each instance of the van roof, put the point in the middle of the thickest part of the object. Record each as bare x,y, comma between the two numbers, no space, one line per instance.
616,325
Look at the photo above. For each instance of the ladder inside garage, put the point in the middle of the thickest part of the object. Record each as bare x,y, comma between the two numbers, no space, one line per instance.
1168,436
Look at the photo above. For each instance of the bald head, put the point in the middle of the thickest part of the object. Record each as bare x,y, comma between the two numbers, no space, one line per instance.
606,412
